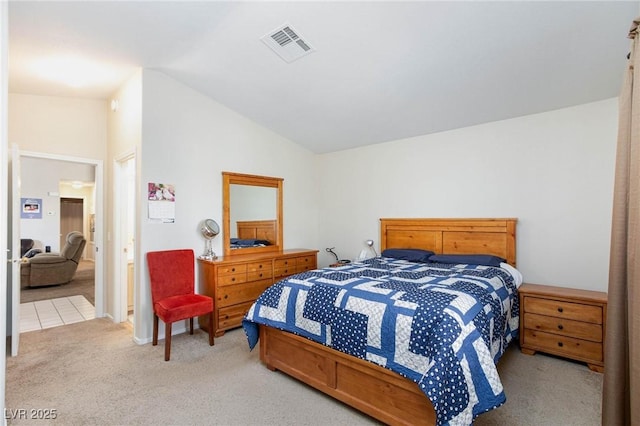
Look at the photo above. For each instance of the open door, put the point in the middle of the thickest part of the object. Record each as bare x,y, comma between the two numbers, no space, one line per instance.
14,240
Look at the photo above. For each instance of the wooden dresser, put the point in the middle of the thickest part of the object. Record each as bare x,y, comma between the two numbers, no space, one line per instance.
235,282
566,322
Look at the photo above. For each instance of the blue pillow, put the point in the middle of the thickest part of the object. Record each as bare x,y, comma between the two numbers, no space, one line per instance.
412,255
470,259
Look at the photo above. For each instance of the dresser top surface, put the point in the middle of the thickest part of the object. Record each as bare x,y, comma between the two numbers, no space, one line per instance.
261,256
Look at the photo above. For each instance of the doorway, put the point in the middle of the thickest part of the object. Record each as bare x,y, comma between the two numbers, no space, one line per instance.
71,217
42,171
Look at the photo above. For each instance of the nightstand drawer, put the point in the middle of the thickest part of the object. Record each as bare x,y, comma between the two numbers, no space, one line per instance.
562,309
565,327
564,346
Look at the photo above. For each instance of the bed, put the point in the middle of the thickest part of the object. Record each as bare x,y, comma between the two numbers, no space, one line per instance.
254,233
360,380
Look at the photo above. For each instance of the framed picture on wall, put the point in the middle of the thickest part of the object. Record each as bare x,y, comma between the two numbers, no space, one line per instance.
31,208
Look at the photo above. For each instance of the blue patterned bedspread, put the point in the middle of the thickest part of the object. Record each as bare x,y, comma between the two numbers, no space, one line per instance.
443,326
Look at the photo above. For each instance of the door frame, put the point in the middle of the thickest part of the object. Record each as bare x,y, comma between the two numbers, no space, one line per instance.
120,208
99,221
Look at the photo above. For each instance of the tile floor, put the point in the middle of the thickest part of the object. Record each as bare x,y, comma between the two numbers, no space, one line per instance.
54,312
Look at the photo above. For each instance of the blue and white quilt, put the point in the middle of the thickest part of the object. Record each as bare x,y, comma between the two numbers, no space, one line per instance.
443,326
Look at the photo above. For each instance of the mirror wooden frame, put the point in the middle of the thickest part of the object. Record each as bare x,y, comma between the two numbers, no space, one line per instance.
229,178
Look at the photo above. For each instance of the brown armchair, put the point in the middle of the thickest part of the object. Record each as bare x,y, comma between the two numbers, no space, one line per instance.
52,268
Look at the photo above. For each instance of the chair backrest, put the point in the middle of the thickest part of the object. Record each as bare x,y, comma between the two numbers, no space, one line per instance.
73,246
26,244
171,273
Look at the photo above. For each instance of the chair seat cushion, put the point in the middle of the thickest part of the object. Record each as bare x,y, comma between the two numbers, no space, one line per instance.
47,258
176,308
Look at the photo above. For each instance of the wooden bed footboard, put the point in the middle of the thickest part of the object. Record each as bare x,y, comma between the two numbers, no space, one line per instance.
369,388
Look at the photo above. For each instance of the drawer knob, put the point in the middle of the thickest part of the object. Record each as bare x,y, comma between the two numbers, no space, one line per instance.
560,327
260,275
560,309
233,269
560,344
226,317
226,296
233,279
260,266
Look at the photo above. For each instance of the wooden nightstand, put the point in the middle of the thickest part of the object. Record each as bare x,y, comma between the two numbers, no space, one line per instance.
563,321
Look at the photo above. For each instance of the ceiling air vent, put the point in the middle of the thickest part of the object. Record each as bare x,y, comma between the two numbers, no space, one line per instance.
287,42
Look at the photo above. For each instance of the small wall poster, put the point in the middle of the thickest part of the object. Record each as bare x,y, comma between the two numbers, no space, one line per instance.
31,208
162,202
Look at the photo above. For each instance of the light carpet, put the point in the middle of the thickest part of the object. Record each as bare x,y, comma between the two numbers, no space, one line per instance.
93,373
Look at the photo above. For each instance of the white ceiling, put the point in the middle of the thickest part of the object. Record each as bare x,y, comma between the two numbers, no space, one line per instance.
381,70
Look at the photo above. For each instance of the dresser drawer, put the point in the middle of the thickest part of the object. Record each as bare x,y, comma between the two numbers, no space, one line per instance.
240,293
305,263
232,279
562,309
564,345
231,317
562,326
259,271
284,263
284,267
260,267
259,275
232,269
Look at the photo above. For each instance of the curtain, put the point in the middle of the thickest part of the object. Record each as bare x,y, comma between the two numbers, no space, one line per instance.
620,396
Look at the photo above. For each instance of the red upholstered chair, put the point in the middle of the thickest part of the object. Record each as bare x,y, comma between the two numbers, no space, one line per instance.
172,278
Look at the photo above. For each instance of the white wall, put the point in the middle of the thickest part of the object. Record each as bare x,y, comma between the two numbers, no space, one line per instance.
188,140
66,127
552,171
56,125
124,137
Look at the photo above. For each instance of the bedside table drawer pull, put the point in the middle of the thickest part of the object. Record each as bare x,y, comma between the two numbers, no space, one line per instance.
560,344
560,327
560,309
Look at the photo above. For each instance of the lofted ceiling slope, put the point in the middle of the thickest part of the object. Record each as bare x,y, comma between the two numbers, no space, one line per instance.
380,70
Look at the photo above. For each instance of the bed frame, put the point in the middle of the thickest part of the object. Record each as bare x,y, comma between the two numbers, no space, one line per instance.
372,389
257,230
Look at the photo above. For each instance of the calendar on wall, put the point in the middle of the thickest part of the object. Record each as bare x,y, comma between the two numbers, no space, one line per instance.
162,202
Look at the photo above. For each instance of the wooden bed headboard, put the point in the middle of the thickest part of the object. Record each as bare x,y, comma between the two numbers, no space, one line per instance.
257,230
452,236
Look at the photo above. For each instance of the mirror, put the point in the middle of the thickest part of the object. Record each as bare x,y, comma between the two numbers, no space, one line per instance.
252,213
209,229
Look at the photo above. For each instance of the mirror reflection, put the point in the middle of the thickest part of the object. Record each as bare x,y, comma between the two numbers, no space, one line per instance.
252,213
252,216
